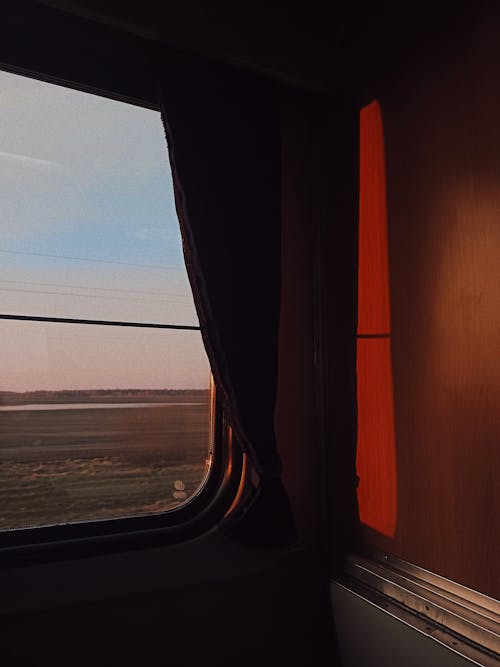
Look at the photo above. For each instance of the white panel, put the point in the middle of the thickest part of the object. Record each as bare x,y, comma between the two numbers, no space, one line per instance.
370,637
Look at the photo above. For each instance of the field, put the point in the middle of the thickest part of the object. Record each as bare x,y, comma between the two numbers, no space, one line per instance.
65,465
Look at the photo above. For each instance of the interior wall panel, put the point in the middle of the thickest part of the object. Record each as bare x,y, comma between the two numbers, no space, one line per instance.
442,149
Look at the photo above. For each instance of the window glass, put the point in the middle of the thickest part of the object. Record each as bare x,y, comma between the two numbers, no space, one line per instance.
96,421
87,214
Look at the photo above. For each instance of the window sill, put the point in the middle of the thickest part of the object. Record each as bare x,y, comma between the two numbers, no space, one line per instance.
207,558
465,621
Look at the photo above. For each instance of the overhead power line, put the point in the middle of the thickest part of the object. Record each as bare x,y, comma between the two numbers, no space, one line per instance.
90,296
160,267
99,289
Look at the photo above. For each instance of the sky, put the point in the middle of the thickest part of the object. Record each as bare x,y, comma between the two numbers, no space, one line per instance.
88,229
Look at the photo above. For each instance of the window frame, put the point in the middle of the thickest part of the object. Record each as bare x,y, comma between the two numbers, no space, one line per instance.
120,69
88,538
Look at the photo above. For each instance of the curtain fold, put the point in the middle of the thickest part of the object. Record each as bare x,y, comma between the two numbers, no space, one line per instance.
223,135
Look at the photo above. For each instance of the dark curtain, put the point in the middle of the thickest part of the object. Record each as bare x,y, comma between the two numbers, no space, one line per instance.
223,134
339,169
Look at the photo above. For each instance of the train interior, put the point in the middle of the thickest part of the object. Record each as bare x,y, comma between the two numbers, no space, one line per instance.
337,180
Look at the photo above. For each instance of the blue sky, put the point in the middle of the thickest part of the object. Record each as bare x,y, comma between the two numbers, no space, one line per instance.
88,229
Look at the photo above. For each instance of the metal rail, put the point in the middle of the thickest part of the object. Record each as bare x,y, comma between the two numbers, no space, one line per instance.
466,621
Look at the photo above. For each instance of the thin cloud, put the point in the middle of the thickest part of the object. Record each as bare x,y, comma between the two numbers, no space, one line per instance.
28,160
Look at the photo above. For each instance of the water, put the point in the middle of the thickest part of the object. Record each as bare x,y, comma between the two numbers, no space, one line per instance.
87,406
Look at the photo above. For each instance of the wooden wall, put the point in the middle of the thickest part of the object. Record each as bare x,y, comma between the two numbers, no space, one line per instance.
442,148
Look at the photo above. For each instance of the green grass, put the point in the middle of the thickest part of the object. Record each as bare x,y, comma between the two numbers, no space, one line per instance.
63,466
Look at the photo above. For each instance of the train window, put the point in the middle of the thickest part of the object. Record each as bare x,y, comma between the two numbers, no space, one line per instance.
105,407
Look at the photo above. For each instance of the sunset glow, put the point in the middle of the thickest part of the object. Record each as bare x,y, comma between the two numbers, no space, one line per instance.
376,464
89,230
